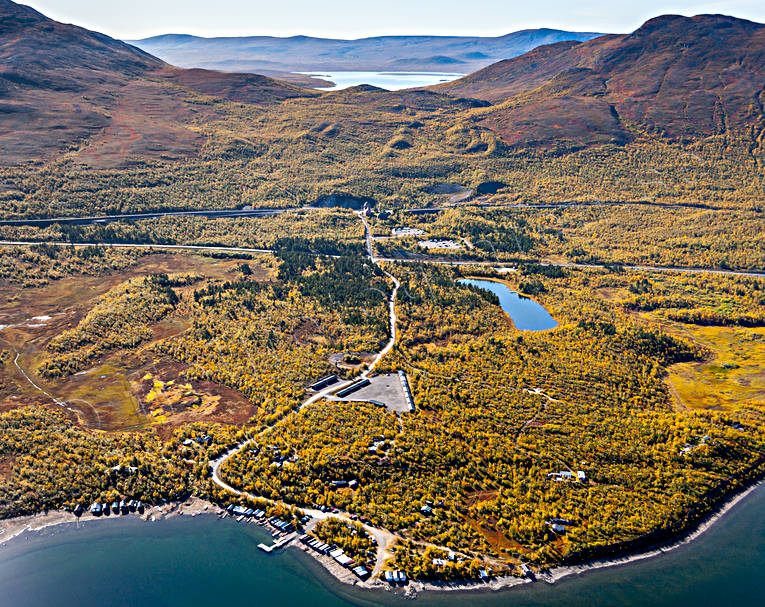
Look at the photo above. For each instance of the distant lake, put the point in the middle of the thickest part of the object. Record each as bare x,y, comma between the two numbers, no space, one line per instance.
391,81
203,562
526,314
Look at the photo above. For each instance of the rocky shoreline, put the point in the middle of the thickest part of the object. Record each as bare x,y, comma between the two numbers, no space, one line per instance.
12,528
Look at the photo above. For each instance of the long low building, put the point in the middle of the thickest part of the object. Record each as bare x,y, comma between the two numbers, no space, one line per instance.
407,392
352,388
323,382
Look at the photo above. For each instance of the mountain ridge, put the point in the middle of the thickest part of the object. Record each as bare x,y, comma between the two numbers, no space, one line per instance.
63,87
376,53
676,76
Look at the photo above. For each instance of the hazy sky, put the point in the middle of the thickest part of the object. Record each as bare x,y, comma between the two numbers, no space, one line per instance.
129,19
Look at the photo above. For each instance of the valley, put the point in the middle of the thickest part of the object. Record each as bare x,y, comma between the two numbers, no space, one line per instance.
555,264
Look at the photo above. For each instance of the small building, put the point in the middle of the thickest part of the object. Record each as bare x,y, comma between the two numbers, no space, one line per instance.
581,476
361,572
439,244
403,232
426,510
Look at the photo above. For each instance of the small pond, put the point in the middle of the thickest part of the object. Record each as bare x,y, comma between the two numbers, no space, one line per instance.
526,314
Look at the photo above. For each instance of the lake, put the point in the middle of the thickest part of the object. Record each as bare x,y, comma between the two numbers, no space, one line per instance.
391,81
201,561
526,314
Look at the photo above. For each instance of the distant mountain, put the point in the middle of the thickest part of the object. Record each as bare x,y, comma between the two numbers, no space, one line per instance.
682,77
265,54
63,87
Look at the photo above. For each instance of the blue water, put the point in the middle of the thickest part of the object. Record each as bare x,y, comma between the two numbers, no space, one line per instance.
391,81
526,314
203,562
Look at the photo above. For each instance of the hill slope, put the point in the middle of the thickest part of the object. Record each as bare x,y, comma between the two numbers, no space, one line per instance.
64,87
683,77
266,54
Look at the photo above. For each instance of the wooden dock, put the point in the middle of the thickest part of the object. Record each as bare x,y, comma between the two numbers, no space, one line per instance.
277,544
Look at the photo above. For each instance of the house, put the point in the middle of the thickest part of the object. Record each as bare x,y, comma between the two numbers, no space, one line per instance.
426,510
558,528
353,484
581,476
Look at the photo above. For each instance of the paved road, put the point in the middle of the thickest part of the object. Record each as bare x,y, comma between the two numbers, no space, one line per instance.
476,203
453,262
137,216
500,264
135,245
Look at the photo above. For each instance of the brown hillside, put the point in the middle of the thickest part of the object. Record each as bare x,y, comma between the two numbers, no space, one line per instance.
683,77
63,87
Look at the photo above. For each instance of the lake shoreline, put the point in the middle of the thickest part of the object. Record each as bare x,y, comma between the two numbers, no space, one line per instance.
16,527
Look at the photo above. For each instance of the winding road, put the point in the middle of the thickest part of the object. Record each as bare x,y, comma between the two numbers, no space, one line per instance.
382,536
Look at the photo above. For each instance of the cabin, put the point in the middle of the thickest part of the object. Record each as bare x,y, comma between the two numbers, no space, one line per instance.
95,509
361,572
426,510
